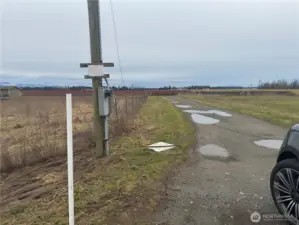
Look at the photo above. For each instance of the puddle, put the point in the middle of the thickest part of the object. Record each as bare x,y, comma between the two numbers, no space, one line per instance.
217,112
273,144
212,150
203,119
221,113
161,146
183,106
175,102
192,111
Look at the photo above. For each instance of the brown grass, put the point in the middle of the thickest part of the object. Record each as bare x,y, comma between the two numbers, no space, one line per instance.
33,129
123,188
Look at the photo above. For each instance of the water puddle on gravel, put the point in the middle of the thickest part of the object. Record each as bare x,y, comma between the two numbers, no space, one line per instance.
221,113
161,146
212,150
193,111
183,106
217,112
200,119
273,144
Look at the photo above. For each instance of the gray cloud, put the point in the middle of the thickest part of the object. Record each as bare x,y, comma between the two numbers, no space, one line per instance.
199,41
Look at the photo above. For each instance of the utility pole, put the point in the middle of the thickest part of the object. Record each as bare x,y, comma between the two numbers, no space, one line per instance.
95,72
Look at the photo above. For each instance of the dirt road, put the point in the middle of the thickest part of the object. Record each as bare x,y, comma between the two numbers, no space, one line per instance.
223,190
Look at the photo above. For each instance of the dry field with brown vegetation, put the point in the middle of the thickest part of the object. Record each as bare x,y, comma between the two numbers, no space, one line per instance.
108,190
34,128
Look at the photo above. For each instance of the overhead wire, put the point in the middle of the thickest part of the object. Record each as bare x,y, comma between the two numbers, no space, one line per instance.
116,42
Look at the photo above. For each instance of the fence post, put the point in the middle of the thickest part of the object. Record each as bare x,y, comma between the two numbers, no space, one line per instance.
70,167
132,100
116,112
126,107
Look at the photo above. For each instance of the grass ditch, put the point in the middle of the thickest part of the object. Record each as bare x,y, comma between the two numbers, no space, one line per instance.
122,188
279,110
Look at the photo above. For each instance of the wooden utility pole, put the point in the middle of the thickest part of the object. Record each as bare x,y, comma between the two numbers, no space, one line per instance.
96,65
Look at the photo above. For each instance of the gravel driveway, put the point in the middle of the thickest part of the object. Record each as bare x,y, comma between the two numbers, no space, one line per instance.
223,190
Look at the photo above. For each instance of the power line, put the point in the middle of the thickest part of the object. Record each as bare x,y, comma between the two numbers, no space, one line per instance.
116,42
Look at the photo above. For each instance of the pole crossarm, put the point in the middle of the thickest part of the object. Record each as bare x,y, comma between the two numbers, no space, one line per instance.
97,77
84,65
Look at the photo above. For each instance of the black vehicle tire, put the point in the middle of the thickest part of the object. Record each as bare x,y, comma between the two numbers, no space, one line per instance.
292,164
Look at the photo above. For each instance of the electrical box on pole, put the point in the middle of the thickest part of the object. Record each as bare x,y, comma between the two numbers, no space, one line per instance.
104,94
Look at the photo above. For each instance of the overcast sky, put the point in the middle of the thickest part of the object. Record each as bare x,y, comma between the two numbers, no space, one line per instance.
160,42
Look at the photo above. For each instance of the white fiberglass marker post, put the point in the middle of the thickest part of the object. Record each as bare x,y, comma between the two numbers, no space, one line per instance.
70,167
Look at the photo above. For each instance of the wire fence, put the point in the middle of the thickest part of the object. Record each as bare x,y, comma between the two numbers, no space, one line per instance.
33,128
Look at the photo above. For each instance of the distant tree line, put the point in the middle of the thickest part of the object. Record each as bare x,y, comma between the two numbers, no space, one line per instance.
130,87
280,84
213,87
167,88
43,88
79,87
197,87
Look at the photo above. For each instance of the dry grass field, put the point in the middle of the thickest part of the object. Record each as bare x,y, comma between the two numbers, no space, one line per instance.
113,190
34,128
